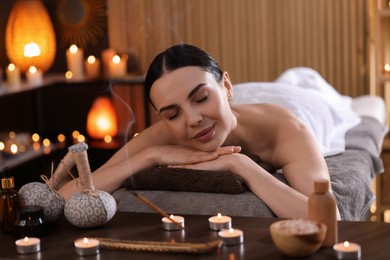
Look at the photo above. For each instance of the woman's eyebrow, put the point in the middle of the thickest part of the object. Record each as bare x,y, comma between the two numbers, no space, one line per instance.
195,90
189,96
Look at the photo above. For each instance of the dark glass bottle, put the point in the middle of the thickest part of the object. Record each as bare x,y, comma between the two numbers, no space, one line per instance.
30,222
9,204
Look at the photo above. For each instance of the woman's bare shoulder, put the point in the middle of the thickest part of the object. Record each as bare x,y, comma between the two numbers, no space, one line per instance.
264,110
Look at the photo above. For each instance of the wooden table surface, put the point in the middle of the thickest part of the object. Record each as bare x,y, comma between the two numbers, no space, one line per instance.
373,237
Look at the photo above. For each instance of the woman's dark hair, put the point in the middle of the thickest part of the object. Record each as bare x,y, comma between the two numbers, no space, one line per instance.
179,56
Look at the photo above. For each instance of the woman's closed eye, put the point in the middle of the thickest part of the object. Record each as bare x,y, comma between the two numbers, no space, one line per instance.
170,114
200,97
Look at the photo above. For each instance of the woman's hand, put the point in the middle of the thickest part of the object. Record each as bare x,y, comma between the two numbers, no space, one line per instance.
174,155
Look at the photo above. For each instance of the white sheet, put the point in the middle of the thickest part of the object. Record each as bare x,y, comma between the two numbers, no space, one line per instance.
326,113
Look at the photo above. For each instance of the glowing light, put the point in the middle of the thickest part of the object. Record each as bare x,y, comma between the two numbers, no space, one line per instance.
91,59
31,50
46,142
32,69
116,59
75,134
81,138
12,134
2,146
68,74
11,67
30,37
73,49
14,148
101,119
61,138
107,139
35,137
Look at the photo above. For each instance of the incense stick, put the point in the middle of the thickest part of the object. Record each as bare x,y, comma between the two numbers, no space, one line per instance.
154,207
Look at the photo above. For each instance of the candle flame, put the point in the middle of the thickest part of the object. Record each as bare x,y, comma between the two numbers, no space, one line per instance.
32,69
171,216
46,142
11,67
2,146
231,230
31,50
116,59
68,74
91,59
85,241
346,244
26,240
81,138
107,139
61,138
73,49
14,148
35,137
219,216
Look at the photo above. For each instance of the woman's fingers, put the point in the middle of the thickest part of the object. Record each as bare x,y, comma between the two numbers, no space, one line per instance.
228,150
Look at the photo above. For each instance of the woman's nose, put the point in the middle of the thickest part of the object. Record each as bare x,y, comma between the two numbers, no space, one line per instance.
194,118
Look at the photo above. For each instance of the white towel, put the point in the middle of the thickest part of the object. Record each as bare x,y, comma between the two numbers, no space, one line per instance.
326,113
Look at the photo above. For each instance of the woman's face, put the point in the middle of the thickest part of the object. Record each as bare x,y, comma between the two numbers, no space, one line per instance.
194,107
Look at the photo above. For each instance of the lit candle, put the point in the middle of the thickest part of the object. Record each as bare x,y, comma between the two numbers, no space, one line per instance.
61,140
106,60
347,250
28,245
220,222
74,60
387,70
36,145
169,225
117,67
34,76
92,67
231,236
13,75
86,246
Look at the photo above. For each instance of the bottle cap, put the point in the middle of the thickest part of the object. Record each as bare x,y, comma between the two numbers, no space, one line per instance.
7,183
321,186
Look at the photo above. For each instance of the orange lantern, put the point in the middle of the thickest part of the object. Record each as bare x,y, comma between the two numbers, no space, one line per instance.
30,37
102,120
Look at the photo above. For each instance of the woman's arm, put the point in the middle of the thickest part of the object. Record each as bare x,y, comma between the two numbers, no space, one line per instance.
145,150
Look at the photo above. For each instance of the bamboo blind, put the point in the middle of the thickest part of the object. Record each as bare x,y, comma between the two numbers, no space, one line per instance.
254,40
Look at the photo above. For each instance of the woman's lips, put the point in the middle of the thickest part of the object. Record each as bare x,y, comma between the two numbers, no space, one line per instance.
205,135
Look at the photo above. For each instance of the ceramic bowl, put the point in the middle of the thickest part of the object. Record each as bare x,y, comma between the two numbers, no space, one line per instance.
298,237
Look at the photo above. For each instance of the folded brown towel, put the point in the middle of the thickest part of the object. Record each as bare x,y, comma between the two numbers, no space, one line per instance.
179,179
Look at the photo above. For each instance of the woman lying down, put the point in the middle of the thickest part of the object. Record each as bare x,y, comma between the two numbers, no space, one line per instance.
201,129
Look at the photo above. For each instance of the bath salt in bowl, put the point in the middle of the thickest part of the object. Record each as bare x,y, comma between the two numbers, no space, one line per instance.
298,237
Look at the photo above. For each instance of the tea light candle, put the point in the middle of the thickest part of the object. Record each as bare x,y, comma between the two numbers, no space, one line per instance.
169,225
74,60
86,246
220,222
34,76
347,250
92,67
231,236
28,245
